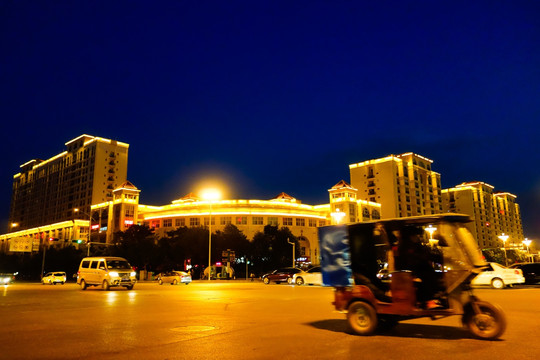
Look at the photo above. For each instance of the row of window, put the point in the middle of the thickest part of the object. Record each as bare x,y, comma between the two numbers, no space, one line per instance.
238,220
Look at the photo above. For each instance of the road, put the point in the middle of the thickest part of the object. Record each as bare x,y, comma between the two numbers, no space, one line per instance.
237,320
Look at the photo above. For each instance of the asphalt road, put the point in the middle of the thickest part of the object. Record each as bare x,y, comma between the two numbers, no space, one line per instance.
237,320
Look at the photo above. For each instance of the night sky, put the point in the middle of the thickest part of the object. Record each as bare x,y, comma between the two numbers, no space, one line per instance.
272,96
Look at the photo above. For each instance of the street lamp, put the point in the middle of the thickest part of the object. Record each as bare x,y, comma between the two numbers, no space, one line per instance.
338,215
430,229
527,243
90,218
503,238
210,195
293,253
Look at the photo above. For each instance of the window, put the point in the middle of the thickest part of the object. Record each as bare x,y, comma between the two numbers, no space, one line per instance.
322,222
194,221
300,222
225,220
257,220
167,223
365,213
312,222
287,221
207,220
180,222
376,215
272,220
241,220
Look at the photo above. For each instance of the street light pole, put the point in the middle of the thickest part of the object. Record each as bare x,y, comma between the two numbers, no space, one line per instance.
527,243
210,195
503,238
293,252
210,243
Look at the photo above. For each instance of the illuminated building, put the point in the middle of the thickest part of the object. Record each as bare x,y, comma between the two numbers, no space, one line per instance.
47,192
249,216
404,185
346,208
493,213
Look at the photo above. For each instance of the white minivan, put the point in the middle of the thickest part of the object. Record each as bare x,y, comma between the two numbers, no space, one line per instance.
106,272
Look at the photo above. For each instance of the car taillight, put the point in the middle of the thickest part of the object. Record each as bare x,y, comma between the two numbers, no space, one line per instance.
518,271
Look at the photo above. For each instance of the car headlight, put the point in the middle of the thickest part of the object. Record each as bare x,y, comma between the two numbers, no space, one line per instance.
5,280
133,273
113,274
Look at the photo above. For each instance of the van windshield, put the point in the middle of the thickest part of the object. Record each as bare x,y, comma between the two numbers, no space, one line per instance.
118,264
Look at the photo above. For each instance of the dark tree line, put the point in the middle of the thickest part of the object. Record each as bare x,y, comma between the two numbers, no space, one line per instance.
267,250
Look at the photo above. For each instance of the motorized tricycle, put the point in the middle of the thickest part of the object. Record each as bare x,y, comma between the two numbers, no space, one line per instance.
397,269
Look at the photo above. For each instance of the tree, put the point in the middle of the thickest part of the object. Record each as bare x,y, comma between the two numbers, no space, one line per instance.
271,248
137,245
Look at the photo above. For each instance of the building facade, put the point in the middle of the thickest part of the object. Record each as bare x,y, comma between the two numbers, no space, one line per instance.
61,189
82,195
404,185
493,213
345,207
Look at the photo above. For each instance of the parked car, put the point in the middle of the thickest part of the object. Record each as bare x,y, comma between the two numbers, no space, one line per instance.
174,278
531,272
498,276
280,275
312,276
53,278
7,278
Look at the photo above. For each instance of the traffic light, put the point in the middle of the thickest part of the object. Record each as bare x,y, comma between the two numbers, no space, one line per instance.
78,241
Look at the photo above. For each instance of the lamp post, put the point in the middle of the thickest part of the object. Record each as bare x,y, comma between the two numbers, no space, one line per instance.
430,229
293,251
503,238
527,243
210,195
338,215
90,218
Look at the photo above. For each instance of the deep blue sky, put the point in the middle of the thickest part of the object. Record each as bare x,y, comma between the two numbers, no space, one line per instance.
276,95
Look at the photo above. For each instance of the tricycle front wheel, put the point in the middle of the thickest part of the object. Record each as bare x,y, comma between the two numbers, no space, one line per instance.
488,322
362,318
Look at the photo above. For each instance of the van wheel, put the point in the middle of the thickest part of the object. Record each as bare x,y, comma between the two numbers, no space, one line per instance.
83,285
362,318
105,286
497,283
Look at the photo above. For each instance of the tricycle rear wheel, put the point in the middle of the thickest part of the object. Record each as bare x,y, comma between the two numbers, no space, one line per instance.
362,318
489,323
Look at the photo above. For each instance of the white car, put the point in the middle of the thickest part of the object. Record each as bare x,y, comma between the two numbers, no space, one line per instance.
498,276
57,277
312,276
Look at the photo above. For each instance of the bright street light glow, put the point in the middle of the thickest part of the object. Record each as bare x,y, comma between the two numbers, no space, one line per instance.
211,194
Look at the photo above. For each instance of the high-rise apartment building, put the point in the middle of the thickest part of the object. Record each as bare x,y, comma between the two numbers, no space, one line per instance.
49,191
493,213
403,184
